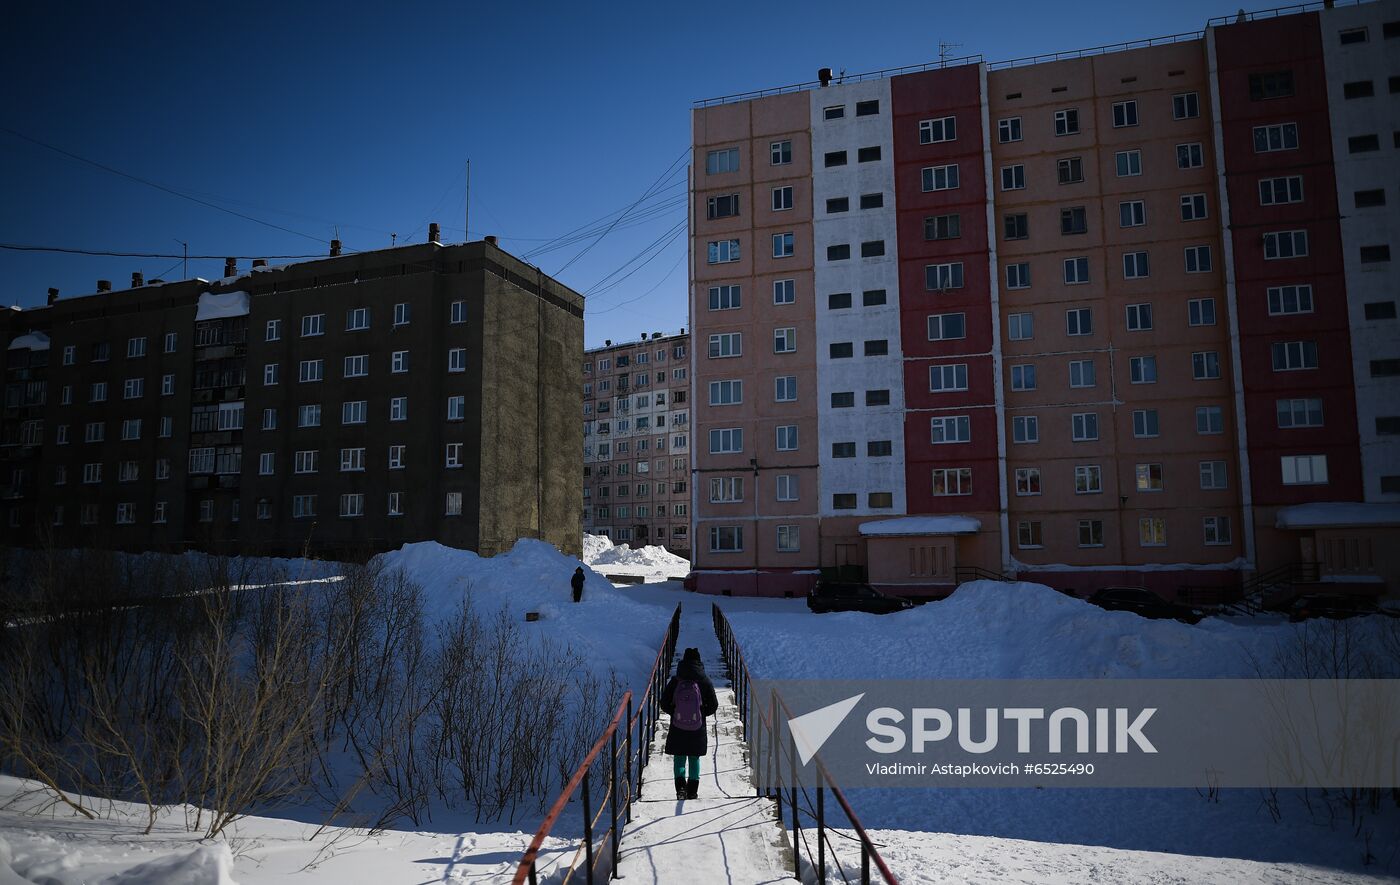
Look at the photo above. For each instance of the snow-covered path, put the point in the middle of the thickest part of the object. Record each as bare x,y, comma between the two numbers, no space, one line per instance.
726,835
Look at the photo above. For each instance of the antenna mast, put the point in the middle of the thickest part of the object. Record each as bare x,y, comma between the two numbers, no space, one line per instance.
467,212
943,52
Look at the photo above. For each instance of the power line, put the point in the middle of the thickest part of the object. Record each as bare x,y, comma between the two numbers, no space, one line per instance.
646,193
17,247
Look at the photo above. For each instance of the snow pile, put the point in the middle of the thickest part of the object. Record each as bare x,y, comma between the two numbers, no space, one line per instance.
32,341
921,525
656,563
214,307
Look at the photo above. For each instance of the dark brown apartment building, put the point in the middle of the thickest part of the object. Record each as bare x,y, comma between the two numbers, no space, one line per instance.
345,405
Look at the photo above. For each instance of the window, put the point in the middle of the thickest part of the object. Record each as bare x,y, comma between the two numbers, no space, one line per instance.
1152,531
843,400
352,460
785,340
134,388
722,206
872,249
1358,89
1009,129
1016,227
785,389
1374,254
1073,220
1067,121
726,441
942,227
1135,265
458,313
1380,310
1013,177
947,326
1145,424
1205,365
723,489
457,409
1027,481
1084,426
1304,469
1369,198
1081,373
1128,163
1210,420
787,437
838,204
396,457
1142,369
1025,429
780,153
834,158
1299,413
879,397
1018,276
453,455
1148,477
880,500
135,347
309,416
838,252
1088,479
941,129
782,245
868,154
877,347
1285,244
311,370
92,473
1132,213
162,468
1079,321
721,161
1139,317
938,277
130,471
1352,35
454,504
873,297
70,354
1198,259
1193,207
98,392
1272,84
1214,475
950,377
1290,299
949,429
95,431
101,352
398,408
727,538
1070,170
1185,106
726,393
723,252
1020,326
1076,271
782,198
1028,534
305,461
1275,137
457,359
724,344
952,481
1215,530
786,487
313,324
1385,368
843,450
940,178
838,301
353,412
1023,376
356,366
1124,114
1289,356
1285,189
357,319
788,539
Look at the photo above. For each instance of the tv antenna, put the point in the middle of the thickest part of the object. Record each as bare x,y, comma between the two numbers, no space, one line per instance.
944,52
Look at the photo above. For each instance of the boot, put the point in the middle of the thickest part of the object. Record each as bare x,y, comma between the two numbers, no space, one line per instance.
691,788
681,792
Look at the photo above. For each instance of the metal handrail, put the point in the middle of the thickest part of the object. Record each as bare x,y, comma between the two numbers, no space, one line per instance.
840,79
1278,11
1184,37
637,740
769,754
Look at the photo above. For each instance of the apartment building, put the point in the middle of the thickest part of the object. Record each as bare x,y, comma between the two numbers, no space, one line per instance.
636,441
345,405
1057,317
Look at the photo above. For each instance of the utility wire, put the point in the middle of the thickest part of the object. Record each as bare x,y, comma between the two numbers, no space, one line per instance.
17,247
646,193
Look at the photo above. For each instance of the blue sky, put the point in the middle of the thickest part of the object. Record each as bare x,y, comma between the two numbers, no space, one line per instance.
357,118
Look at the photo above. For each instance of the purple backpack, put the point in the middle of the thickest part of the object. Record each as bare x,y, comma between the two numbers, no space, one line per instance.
687,704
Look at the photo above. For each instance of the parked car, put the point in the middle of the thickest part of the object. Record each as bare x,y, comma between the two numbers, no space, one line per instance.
834,596
1334,606
689,582
1141,601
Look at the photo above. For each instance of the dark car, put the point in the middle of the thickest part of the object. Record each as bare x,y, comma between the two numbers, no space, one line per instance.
689,582
834,596
1336,607
1141,601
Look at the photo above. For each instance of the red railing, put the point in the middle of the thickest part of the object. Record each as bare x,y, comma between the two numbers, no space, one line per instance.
617,801
769,757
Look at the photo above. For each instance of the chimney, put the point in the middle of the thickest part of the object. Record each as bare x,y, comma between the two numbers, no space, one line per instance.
259,262
335,247
434,233
230,267
607,342
824,75
491,238
104,285
137,280
157,281
53,296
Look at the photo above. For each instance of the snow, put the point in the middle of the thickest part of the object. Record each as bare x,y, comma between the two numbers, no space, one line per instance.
1235,564
32,341
214,307
1337,514
921,525
653,562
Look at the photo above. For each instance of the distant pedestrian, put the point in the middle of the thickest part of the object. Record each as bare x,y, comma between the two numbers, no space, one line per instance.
577,582
688,699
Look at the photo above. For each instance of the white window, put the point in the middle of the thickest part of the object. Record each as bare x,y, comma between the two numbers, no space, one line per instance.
1205,365
454,455
1134,265
311,370
1013,177
1124,114
61,435
98,392
357,319
1215,530
940,178
1290,299
1132,213
1198,259
782,198
725,297
780,153
130,471
940,129
1081,373
309,416
1139,317
785,340
126,514
1067,121
92,473
70,354
398,362
1210,420
1018,276
726,344
1076,271
1146,424
1084,426
357,366
1152,531
458,312
787,437
785,389
1128,163
162,468
65,397
1009,129
1299,413
135,347
782,245
1276,137
1148,477
395,504
784,291
398,408
941,277
1027,481
1285,244
789,539
1020,327
303,506
1214,475
313,324
726,539
1193,207
1186,105
270,374
352,460
133,388
950,429
131,428
396,457
1200,312
352,505
273,331
454,504
267,463
1025,429
457,359
402,313
1079,321
1285,189
947,378
724,160
457,408
269,421
952,481
95,431
1292,356
1142,369
158,515
172,340
726,489
947,326
306,461
722,252
726,393
786,486
354,411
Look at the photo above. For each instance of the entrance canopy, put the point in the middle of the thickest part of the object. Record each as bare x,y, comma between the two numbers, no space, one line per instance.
921,525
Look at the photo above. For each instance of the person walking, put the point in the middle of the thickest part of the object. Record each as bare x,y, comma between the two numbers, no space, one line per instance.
689,698
577,582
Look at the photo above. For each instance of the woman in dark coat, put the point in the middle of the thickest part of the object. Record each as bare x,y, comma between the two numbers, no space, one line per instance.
689,699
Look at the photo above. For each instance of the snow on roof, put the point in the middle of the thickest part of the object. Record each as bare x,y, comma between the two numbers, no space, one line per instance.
215,307
32,341
1336,513
921,525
